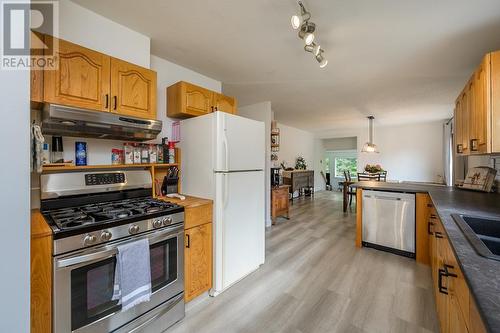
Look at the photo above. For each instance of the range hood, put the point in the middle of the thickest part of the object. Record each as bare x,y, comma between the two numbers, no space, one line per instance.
69,121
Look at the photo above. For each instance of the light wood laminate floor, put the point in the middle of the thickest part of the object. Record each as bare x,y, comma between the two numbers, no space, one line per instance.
315,280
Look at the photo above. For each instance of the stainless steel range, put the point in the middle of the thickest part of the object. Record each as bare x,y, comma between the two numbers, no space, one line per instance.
91,213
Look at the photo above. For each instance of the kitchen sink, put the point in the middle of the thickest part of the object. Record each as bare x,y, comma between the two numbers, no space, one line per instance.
482,233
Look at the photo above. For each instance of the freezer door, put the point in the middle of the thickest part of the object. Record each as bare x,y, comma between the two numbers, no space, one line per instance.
240,143
239,226
389,219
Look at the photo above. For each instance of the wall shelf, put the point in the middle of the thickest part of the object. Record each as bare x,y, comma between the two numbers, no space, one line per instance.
106,166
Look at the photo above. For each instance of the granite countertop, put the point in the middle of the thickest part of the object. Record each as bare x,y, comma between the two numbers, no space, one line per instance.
482,274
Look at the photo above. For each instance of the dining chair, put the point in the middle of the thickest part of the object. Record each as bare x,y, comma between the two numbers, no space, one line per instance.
369,177
350,191
383,176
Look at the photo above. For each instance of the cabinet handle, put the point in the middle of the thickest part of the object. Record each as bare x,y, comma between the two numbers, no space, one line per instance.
437,234
460,149
442,289
212,108
433,216
447,272
430,205
429,231
106,97
473,145
188,242
115,102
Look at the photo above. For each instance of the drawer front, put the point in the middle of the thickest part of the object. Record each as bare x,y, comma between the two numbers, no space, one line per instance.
197,215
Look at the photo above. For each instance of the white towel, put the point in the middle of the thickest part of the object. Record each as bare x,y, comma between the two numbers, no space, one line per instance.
132,274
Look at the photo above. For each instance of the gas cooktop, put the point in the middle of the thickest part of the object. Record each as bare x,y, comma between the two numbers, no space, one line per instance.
109,212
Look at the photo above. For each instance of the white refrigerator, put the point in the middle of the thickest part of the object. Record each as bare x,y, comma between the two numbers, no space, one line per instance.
223,158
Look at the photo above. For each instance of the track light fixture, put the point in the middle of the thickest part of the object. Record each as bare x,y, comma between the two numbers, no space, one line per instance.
306,33
297,20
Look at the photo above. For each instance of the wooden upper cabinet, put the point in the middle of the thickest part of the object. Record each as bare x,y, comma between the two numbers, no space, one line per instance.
81,79
186,100
133,90
479,129
36,75
224,103
495,101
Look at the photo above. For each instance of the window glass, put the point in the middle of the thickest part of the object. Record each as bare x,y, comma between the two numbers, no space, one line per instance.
345,163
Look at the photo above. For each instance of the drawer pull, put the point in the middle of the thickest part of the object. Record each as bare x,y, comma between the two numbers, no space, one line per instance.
429,225
438,234
442,289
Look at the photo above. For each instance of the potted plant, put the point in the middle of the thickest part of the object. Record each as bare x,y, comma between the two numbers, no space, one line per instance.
373,168
300,163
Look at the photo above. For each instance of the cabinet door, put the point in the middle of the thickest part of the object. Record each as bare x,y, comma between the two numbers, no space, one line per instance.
197,100
81,80
133,90
479,131
495,101
476,323
458,290
456,320
224,103
36,75
441,297
198,260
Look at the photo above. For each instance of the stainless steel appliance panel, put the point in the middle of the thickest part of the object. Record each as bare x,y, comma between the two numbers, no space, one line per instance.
389,220
101,257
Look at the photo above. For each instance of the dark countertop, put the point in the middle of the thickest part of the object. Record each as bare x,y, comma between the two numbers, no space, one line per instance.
482,274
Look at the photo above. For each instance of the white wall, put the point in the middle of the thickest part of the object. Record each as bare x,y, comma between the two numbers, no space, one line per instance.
348,143
262,112
295,142
84,27
15,202
409,152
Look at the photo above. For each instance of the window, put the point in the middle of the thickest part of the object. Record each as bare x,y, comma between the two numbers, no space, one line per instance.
345,163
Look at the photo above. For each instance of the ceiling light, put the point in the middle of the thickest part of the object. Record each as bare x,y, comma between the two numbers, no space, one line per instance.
298,20
306,33
313,48
370,147
322,61
308,38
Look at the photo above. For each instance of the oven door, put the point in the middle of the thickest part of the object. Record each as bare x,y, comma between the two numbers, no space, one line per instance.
83,283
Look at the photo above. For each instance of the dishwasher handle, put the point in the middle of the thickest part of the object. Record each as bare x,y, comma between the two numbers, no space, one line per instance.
387,198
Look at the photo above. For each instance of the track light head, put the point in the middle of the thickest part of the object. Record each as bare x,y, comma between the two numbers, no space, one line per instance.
298,20
321,59
313,48
307,32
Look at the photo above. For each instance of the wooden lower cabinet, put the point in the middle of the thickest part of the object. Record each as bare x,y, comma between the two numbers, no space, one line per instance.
457,312
280,202
41,275
197,260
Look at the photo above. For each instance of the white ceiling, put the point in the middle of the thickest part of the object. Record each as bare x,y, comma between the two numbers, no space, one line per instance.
400,60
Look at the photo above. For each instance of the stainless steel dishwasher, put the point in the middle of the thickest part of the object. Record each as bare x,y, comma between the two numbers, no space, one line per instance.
389,222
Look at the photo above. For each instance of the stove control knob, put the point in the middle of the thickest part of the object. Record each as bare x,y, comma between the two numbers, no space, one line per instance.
106,236
89,240
133,229
167,221
156,224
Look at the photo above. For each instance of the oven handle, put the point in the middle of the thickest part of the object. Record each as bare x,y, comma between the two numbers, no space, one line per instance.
110,250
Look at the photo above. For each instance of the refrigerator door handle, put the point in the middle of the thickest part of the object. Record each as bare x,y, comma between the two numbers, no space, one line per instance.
225,196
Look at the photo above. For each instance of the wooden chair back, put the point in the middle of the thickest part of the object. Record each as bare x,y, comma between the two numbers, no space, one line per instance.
367,176
347,176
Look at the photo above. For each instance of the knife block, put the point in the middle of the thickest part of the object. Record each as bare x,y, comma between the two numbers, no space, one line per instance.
170,185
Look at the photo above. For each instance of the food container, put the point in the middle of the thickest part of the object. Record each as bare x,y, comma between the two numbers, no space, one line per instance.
116,156
160,157
153,153
144,154
80,153
129,153
137,154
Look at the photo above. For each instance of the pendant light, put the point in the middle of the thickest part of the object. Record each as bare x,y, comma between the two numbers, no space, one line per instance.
370,147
